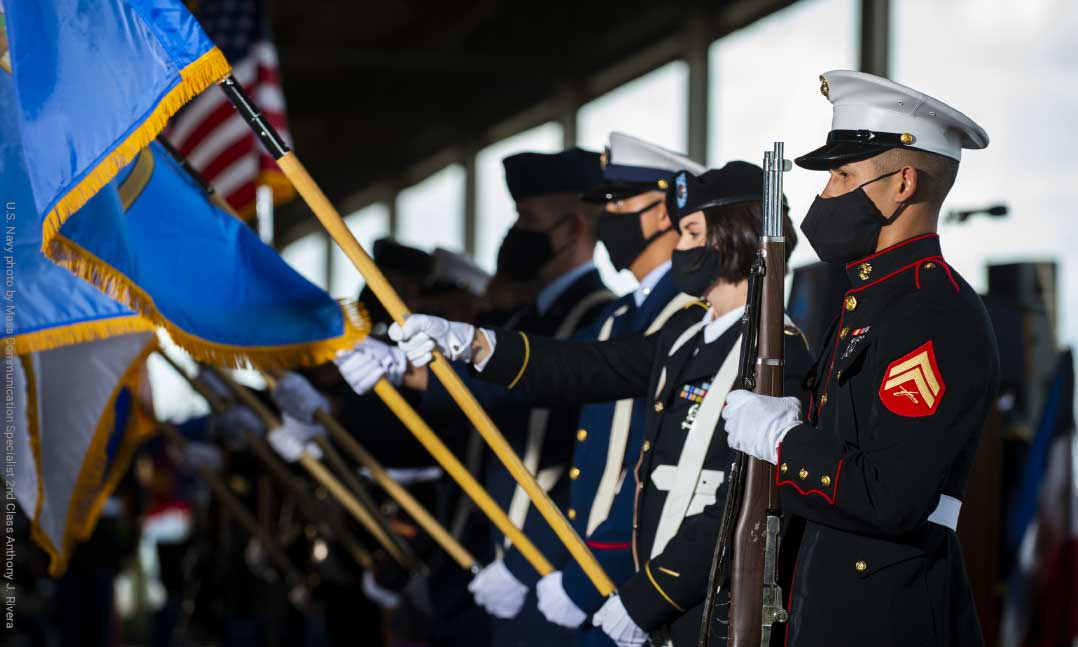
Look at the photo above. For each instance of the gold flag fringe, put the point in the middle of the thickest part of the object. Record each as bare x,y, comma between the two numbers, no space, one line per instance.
205,71
115,284
48,339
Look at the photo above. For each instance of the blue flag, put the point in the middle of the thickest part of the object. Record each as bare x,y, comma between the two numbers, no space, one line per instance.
156,242
95,83
45,306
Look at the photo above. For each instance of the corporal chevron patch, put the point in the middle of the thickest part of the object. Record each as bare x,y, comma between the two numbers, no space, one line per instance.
912,385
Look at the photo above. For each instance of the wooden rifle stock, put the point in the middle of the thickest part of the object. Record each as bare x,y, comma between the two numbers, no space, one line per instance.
751,545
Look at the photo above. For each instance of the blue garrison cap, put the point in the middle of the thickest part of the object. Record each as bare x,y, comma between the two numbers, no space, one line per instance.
535,174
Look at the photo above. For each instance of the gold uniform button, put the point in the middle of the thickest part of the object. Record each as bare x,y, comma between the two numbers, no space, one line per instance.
851,303
785,468
823,399
658,407
842,333
581,435
825,480
860,565
803,474
574,473
647,445
929,265
572,513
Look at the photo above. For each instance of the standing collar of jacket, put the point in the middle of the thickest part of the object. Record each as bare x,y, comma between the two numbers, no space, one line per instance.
549,294
648,283
888,262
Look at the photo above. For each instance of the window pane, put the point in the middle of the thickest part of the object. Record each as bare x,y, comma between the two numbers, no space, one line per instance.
765,87
367,225
495,209
1011,68
653,107
308,257
431,214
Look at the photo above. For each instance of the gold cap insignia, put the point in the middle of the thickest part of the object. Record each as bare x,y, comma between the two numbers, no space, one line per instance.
823,87
663,184
604,158
906,139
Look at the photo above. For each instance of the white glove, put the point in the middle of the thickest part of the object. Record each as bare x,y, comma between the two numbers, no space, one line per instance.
234,424
615,622
382,597
555,604
368,362
496,590
756,424
297,398
421,334
198,455
293,438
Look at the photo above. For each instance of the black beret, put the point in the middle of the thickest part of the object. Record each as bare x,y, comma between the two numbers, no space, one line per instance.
534,174
389,254
734,183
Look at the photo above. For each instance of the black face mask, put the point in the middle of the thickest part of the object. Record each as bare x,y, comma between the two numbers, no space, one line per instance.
695,270
623,235
524,252
847,227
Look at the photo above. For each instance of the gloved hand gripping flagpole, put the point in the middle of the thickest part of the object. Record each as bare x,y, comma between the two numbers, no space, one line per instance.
280,472
334,224
403,497
366,516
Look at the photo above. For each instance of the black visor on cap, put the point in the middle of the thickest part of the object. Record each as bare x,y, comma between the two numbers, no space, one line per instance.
845,146
611,191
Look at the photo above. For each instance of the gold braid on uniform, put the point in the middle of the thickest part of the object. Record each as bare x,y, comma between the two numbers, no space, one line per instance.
527,358
669,600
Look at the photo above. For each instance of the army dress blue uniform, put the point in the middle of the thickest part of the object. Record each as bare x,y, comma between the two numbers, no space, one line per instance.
673,370
602,476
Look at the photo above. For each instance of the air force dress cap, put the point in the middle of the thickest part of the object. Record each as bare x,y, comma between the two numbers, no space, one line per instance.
873,114
735,183
530,175
633,166
456,270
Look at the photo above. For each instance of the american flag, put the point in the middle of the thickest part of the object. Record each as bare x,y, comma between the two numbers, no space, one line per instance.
210,133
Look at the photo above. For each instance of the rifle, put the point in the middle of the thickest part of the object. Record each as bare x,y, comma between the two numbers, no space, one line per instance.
749,565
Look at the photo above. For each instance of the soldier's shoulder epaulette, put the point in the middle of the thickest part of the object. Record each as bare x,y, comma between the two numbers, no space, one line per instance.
935,274
698,303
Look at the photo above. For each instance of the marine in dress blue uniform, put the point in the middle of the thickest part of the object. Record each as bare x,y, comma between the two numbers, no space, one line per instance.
878,463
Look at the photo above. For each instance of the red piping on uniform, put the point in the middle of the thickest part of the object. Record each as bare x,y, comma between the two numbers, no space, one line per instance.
892,247
608,545
830,499
842,314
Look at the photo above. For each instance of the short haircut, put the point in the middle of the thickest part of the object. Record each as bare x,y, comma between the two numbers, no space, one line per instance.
935,173
735,232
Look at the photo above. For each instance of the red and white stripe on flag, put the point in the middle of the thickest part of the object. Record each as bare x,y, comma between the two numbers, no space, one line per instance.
219,144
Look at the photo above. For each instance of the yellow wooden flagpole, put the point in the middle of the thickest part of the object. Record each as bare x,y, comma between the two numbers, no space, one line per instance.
242,514
279,471
327,214
402,496
365,517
